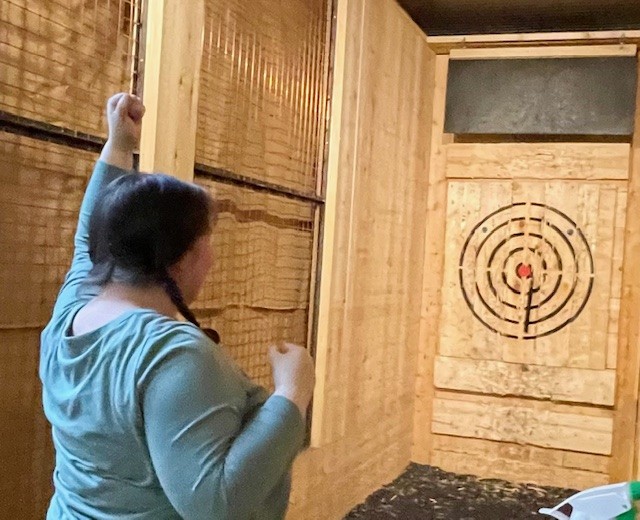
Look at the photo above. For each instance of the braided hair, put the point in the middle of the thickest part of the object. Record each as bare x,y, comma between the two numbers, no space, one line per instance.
141,226
174,292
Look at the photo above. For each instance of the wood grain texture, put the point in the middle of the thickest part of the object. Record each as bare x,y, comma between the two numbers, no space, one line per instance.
444,44
491,459
433,269
342,84
171,86
565,51
565,427
625,462
515,379
570,161
366,422
587,338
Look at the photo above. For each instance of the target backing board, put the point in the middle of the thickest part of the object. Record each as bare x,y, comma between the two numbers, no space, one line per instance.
532,272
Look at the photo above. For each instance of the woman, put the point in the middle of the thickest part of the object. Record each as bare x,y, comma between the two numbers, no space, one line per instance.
150,419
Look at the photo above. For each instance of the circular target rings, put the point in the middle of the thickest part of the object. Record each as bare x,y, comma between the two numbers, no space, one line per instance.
526,270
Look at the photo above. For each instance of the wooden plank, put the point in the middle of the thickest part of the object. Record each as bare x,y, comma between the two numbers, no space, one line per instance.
519,463
382,305
329,229
625,462
444,44
616,280
433,270
601,233
573,428
499,378
587,462
576,161
345,150
173,52
582,51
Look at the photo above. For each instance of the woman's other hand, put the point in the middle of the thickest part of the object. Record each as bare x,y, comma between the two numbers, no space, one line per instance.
293,374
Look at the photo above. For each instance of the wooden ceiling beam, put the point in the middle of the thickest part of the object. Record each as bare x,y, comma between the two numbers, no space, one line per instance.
444,44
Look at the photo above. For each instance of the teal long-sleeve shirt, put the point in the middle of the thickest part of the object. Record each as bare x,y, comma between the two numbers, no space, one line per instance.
152,420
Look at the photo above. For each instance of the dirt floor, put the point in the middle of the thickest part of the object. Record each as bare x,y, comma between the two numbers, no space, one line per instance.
426,493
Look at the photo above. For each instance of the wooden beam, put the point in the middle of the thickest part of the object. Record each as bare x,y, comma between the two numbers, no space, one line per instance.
534,381
522,421
329,230
519,463
626,451
444,44
624,463
433,269
577,161
568,51
173,52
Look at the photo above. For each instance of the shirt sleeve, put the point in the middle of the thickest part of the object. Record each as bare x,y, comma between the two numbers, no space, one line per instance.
212,462
102,175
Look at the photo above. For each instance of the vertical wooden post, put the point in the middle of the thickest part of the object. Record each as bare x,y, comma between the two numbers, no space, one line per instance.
625,449
330,208
173,53
434,270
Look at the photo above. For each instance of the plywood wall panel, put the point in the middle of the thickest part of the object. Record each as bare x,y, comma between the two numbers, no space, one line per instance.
367,415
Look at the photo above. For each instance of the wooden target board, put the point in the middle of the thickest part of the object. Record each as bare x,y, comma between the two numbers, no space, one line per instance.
526,270
532,275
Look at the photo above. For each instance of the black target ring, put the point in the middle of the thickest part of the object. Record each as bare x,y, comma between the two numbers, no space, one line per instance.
526,270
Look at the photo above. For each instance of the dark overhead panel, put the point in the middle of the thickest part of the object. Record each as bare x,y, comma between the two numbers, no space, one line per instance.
449,17
568,96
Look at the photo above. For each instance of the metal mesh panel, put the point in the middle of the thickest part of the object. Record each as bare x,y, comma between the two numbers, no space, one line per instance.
43,184
258,290
61,59
261,108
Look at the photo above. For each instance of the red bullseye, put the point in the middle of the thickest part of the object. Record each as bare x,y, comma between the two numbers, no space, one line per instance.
524,271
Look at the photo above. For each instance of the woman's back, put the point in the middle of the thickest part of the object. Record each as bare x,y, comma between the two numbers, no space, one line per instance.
92,385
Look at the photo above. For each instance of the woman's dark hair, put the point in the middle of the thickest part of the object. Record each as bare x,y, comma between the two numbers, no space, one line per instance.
142,225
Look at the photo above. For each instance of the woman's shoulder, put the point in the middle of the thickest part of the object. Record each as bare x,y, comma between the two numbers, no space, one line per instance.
164,339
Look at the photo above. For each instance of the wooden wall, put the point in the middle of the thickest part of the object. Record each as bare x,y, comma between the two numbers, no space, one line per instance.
363,416
534,396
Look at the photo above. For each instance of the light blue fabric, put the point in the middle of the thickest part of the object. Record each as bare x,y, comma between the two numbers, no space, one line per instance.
152,420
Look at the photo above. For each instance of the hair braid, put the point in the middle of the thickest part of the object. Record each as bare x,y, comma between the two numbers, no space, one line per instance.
174,292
